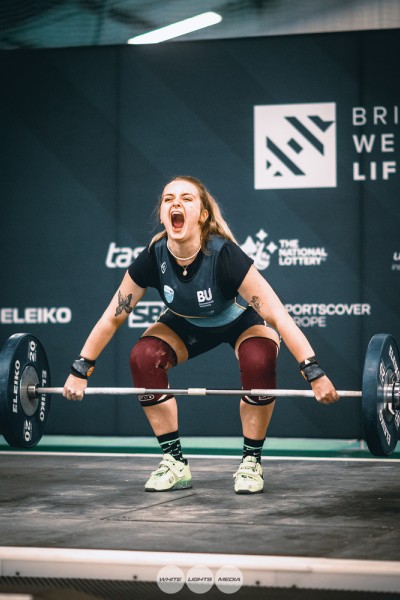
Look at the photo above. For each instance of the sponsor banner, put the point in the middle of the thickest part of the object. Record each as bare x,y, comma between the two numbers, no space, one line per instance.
396,261
375,139
288,253
305,315
295,144
145,313
315,314
35,315
121,257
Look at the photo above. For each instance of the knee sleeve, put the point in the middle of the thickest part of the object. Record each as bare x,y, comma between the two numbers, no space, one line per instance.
150,360
257,362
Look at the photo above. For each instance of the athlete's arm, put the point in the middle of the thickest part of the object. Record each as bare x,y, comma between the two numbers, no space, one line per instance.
260,295
121,305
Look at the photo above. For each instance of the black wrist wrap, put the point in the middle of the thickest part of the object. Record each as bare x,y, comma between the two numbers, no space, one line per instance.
82,367
310,369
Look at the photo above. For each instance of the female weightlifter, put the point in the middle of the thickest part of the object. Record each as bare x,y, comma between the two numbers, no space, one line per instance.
213,294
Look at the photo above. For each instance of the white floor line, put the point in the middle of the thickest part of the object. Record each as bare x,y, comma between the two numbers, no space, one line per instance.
265,458
255,570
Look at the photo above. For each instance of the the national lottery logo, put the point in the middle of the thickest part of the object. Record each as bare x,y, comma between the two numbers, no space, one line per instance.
295,146
259,249
288,252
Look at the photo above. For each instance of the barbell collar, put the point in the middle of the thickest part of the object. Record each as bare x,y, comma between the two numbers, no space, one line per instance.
396,395
34,391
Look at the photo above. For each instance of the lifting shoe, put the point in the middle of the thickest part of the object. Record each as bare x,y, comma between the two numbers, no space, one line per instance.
249,477
171,475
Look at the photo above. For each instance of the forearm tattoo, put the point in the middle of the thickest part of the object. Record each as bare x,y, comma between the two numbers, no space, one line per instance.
124,304
256,303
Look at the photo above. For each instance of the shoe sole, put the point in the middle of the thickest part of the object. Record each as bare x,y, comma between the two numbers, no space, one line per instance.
249,492
180,485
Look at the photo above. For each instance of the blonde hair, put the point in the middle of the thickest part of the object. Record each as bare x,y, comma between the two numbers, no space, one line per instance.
215,222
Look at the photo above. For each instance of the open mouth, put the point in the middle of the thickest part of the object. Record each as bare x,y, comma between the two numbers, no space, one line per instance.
177,220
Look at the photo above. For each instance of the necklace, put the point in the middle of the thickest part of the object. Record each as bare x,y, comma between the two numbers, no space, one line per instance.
181,258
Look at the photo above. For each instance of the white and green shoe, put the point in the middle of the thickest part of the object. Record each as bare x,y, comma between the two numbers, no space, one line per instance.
249,477
171,475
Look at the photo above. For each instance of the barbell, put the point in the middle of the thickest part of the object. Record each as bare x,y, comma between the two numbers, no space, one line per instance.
25,389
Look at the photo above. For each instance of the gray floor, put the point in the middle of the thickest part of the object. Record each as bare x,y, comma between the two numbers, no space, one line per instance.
329,508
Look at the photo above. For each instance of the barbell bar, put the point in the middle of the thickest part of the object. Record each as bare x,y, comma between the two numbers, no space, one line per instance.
34,390
25,391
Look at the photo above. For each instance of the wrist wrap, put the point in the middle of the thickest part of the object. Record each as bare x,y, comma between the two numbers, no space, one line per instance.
82,367
310,369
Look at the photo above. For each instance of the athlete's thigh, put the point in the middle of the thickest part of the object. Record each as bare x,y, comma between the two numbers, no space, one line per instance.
168,335
252,325
188,340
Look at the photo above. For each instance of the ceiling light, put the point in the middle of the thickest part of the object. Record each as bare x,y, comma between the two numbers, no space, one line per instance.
176,29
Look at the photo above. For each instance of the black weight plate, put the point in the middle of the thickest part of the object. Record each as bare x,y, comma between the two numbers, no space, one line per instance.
381,370
23,361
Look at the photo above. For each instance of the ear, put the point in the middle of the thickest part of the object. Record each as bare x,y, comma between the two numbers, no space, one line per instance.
203,216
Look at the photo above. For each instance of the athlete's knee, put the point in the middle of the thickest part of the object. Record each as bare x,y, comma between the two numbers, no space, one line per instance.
257,362
150,354
150,360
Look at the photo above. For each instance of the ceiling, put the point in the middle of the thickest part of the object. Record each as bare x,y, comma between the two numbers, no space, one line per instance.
64,23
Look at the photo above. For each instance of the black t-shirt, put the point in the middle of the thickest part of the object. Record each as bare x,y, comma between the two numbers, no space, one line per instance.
232,267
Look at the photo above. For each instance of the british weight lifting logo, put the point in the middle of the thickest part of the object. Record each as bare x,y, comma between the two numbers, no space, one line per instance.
295,146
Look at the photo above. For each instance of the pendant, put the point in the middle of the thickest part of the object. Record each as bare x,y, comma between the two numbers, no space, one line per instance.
184,271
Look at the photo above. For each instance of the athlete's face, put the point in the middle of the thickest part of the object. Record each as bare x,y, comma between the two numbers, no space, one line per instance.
181,211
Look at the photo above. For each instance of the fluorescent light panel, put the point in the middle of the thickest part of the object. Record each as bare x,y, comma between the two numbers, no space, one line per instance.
176,29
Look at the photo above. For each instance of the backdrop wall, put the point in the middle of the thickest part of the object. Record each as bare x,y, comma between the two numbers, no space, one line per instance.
296,136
